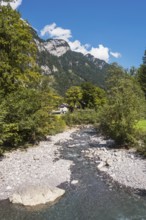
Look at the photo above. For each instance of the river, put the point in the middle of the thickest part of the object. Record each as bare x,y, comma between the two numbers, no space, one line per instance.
95,197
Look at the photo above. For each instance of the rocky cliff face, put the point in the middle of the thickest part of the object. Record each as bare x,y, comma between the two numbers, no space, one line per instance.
56,47
99,63
68,68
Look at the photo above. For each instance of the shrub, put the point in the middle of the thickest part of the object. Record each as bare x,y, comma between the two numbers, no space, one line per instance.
25,117
141,147
57,125
125,106
80,117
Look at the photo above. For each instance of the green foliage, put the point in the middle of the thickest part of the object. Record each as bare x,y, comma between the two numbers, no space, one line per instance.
132,71
80,117
141,125
123,109
18,52
141,129
74,97
93,96
72,69
144,58
141,76
6,1
57,125
25,117
115,73
85,96
141,147
26,100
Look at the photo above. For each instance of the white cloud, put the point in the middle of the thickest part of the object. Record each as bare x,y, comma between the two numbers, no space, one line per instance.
115,54
76,46
15,4
100,52
56,32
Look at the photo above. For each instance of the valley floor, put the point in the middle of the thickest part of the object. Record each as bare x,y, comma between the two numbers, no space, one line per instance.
42,164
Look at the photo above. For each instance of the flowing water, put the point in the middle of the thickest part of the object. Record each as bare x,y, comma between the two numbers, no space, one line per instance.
93,198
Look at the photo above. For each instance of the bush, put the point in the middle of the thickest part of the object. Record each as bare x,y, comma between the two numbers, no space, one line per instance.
80,117
25,117
57,125
125,106
141,147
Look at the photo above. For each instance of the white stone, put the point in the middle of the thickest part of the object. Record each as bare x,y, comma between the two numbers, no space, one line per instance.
109,162
102,164
104,169
74,182
33,196
9,188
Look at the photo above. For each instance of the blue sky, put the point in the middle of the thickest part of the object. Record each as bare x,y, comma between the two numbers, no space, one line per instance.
113,30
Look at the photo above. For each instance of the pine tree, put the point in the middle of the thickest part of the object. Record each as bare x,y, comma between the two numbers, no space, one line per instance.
141,76
144,58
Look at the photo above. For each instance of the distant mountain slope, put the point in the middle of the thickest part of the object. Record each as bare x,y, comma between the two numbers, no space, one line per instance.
67,67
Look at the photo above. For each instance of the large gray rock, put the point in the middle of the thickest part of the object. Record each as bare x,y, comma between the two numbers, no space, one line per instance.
32,196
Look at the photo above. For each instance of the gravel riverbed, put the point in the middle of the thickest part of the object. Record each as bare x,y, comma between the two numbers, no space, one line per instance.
42,165
124,166
35,166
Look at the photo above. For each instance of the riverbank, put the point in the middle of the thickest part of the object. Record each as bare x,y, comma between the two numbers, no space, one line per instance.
43,165
37,166
124,166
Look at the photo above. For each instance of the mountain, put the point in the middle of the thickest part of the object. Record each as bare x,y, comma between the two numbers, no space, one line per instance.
65,67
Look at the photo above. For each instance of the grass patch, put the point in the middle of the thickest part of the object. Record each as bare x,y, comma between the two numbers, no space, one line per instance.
141,125
141,128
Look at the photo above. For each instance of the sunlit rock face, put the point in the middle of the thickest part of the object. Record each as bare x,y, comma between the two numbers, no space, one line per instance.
57,47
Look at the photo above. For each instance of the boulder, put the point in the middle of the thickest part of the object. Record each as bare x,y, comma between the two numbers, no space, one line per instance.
32,196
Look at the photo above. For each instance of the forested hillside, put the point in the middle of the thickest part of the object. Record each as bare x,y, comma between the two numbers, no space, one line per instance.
67,68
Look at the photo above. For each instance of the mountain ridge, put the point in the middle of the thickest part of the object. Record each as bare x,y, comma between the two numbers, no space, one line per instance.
66,67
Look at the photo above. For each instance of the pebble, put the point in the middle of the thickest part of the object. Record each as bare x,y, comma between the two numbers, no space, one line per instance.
35,166
74,182
123,166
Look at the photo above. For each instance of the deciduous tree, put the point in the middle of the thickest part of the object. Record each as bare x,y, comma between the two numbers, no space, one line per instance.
17,51
93,96
74,97
123,109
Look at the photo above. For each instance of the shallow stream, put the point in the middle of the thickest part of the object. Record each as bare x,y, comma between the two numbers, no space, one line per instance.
94,197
